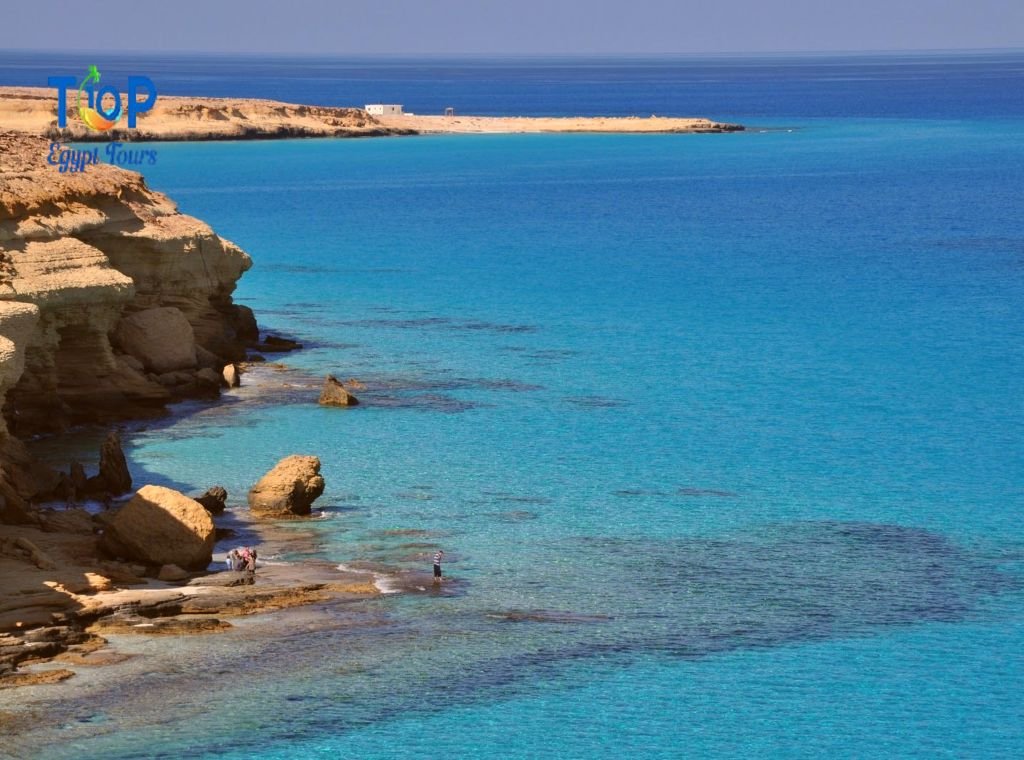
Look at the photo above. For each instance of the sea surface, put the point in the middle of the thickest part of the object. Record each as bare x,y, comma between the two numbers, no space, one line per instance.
722,435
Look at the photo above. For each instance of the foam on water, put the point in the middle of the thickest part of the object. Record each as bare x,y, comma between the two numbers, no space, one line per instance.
384,583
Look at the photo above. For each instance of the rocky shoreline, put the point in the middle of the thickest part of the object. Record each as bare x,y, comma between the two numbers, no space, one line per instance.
33,110
113,305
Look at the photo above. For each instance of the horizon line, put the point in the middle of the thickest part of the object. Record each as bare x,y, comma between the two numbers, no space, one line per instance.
534,54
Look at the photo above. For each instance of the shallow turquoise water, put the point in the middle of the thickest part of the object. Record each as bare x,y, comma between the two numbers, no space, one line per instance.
730,425
734,420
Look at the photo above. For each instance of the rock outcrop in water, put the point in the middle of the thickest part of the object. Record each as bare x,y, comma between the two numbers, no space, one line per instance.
288,489
112,303
334,393
114,477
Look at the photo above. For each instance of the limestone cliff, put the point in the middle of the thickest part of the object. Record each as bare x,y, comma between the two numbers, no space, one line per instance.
104,288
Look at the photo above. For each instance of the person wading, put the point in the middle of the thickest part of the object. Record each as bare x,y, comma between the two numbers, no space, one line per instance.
437,566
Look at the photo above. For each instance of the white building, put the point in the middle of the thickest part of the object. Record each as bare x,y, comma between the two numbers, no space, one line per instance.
380,109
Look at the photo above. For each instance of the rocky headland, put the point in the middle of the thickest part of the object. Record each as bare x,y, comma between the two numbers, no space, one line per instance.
113,304
33,110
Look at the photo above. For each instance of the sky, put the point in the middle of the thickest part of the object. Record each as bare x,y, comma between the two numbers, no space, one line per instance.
573,27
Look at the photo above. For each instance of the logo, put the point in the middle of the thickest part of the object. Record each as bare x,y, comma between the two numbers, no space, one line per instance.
103,109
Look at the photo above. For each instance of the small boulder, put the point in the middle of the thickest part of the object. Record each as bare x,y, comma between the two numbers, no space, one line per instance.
335,394
214,499
160,526
171,573
162,339
231,376
288,489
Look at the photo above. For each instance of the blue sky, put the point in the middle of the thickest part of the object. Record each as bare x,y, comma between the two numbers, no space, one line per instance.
343,27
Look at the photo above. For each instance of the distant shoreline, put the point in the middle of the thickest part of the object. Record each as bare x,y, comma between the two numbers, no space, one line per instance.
33,110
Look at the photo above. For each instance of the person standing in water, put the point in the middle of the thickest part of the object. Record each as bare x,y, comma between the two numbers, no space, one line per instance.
437,566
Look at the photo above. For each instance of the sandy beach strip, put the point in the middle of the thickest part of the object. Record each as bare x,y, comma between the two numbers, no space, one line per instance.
33,110
531,124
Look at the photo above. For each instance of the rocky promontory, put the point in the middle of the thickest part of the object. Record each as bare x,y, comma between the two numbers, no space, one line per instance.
112,305
112,302
34,110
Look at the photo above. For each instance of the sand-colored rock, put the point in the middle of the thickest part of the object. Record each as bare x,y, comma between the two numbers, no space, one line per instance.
172,573
160,526
336,394
162,339
34,110
58,613
68,521
231,376
19,323
80,252
289,488
39,558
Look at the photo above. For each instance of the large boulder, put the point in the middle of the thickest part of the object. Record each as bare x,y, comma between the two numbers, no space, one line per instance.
160,526
288,489
162,339
336,394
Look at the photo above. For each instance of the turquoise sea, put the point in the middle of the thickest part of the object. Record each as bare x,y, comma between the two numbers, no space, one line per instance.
723,435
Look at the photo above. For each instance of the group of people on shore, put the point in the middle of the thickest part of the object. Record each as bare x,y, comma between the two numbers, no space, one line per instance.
242,558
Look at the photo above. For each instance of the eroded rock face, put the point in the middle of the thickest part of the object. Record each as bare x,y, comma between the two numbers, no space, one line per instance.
80,253
162,339
288,489
160,526
336,394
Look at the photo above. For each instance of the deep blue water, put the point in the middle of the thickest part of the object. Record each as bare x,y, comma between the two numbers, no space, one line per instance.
722,433
985,84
